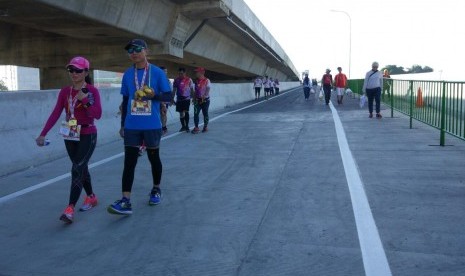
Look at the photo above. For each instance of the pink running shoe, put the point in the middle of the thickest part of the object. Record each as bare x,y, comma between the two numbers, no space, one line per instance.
89,203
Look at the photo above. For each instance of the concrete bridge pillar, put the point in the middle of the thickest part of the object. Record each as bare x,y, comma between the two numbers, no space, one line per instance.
53,78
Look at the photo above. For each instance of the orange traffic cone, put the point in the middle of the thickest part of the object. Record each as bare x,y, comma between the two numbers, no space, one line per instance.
419,98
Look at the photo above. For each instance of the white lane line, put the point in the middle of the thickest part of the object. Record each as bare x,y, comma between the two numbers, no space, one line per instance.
116,156
374,257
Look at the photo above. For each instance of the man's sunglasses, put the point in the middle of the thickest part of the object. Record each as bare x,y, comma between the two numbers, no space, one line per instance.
135,50
75,70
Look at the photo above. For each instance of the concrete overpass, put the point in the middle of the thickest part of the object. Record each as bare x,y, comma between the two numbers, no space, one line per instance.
224,36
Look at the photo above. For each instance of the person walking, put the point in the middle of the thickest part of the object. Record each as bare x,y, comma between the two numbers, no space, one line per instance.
276,86
372,86
327,82
257,84
387,83
307,86
144,86
341,84
81,102
271,82
266,85
183,87
201,100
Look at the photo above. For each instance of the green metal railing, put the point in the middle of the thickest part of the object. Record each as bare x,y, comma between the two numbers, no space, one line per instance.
439,104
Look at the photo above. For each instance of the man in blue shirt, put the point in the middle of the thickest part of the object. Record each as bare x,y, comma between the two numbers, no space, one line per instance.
143,87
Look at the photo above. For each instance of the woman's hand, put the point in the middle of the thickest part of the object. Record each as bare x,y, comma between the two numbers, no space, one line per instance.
40,141
81,95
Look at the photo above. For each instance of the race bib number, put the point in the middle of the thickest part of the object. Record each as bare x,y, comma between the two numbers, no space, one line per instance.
141,107
70,132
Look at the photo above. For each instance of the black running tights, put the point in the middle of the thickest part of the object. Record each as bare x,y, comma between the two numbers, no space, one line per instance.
80,152
131,154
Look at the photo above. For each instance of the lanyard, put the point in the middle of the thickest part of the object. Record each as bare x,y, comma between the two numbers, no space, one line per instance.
136,79
72,101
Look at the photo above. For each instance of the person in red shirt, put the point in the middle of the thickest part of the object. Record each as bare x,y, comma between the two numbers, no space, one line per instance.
81,102
341,84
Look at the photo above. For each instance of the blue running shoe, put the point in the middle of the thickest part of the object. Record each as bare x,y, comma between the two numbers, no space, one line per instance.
155,196
120,207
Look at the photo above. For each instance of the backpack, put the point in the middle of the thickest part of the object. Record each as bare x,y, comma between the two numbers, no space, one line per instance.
327,79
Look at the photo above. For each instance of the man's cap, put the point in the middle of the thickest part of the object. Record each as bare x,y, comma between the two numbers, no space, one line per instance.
328,70
79,63
136,43
200,70
375,64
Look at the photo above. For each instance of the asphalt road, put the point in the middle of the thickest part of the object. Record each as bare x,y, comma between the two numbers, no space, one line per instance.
264,192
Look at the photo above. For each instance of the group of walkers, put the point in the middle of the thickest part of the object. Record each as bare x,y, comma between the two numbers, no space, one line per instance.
146,93
270,86
372,87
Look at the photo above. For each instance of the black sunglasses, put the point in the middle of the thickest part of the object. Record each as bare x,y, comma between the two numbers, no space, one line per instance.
75,70
135,49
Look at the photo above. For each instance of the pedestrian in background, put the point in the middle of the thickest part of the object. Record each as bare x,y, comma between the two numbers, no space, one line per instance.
276,86
306,85
257,84
81,102
341,84
372,88
183,87
266,85
387,83
327,82
201,100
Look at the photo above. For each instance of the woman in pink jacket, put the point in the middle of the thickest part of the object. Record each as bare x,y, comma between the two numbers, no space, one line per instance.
81,102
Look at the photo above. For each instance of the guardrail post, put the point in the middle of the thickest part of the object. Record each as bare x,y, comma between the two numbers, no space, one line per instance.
392,98
411,104
442,141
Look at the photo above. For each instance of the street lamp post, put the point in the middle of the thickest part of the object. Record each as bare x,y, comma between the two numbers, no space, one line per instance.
350,36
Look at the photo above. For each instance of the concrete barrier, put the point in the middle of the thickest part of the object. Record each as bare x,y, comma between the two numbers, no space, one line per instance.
24,114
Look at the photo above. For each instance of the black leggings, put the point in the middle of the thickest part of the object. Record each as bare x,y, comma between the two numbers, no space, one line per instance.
131,154
80,152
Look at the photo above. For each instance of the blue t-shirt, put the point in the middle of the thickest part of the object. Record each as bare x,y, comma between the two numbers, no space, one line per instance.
155,79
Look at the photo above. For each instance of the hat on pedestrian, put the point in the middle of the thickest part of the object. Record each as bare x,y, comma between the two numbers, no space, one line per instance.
328,70
136,43
79,63
200,70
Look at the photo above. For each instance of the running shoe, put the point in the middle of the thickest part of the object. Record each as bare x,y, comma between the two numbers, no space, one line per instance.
205,129
378,115
165,130
187,129
183,129
89,203
195,130
68,214
120,207
371,115
155,196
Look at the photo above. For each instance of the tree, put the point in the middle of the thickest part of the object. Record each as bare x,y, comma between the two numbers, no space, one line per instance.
3,86
415,69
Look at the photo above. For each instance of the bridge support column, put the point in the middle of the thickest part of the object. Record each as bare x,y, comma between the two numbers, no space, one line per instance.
53,78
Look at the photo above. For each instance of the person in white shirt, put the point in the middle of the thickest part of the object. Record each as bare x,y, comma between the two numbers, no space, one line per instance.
266,84
372,88
271,86
257,84
276,86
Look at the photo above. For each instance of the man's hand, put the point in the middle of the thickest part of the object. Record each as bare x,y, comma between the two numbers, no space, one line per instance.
121,132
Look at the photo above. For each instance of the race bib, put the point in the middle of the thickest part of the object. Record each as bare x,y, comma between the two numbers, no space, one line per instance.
71,131
141,107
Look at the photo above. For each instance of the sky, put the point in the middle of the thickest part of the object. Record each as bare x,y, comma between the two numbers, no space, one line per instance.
400,32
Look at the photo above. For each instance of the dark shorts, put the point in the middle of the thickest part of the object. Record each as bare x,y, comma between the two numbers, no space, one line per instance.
183,105
150,137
